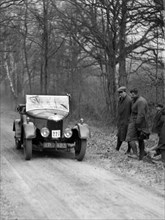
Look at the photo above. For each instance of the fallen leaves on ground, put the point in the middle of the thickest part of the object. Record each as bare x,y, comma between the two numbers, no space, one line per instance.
101,151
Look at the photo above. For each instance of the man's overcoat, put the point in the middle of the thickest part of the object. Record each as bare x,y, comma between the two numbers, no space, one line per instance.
124,112
161,144
138,119
139,113
157,123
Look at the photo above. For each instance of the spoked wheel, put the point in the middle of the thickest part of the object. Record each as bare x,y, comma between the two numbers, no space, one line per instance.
27,149
17,143
80,149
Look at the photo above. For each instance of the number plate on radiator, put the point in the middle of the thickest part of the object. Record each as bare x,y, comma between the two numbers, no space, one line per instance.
56,133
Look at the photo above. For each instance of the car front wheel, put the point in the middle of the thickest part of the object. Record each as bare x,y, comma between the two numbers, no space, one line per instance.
27,149
80,149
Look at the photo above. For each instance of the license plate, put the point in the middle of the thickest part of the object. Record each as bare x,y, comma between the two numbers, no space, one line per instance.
61,146
56,133
48,145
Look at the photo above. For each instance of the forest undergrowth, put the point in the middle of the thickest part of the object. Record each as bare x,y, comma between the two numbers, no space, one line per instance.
101,151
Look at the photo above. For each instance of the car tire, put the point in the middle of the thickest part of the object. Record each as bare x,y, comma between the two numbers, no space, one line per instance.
27,149
80,149
17,143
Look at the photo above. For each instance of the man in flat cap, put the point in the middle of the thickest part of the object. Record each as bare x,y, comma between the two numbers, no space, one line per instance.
123,115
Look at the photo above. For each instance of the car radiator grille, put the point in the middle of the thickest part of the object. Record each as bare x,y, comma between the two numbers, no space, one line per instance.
53,125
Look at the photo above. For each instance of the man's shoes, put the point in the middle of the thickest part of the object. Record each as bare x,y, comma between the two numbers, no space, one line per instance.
157,158
133,156
141,156
127,152
156,154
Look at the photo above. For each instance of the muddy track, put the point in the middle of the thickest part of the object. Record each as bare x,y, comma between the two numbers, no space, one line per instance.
56,186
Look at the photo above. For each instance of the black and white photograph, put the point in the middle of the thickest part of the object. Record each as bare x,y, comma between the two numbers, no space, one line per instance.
82,109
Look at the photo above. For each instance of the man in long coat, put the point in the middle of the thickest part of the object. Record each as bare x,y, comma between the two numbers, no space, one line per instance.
138,124
157,124
124,112
159,128
161,143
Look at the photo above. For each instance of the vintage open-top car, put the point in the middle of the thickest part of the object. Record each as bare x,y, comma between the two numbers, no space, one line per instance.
41,126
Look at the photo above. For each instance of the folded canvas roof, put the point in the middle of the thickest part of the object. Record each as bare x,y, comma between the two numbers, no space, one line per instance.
43,106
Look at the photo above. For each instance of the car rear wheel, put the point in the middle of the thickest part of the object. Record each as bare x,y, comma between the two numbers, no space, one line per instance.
27,149
17,143
80,149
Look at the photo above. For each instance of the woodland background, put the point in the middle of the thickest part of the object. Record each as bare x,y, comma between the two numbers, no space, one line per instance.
86,48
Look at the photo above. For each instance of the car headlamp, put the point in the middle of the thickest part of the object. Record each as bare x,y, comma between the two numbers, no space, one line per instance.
45,132
27,119
68,132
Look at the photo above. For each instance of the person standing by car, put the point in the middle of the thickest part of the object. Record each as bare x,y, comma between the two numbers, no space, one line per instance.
138,129
157,125
124,112
161,143
159,128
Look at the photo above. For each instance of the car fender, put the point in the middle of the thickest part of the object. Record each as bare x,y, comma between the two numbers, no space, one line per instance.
29,130
83,130
17,127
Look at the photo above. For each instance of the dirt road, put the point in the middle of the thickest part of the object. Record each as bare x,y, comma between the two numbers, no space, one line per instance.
55,186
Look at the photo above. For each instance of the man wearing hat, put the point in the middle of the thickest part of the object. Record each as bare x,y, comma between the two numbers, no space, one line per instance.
124,112
138,126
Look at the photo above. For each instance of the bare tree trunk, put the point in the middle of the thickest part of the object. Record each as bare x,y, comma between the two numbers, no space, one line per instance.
111,89
25,47
122,57
41,74
111,67
45,39
156,56
8,75
75,72
164,77
163,53
44,50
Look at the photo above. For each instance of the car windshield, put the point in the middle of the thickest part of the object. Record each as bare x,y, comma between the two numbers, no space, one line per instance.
45,106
